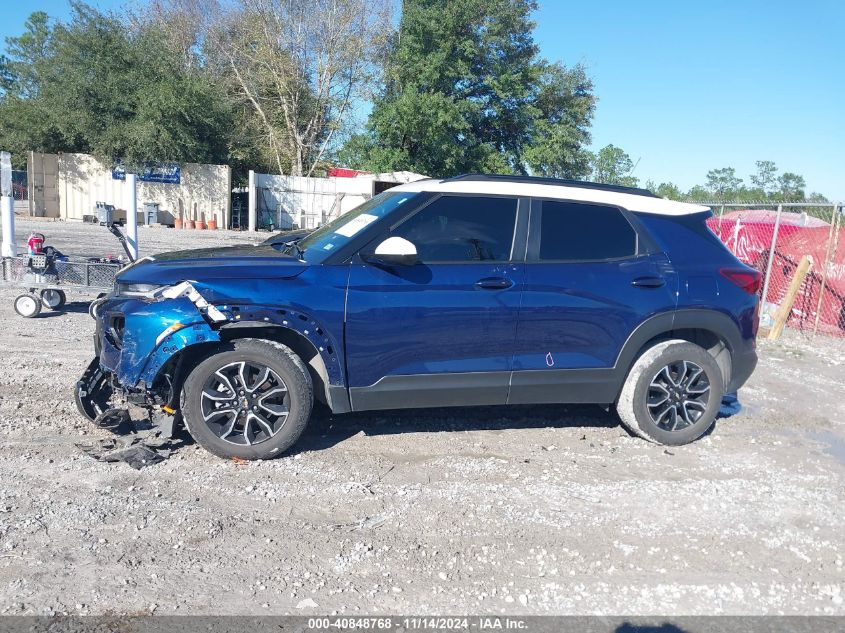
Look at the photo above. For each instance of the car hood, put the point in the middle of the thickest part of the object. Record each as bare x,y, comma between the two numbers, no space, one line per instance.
228,262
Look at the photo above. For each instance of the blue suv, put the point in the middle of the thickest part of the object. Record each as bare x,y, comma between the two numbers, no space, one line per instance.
475,290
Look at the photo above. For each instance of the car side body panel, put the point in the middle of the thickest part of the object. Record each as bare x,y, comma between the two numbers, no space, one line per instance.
443,334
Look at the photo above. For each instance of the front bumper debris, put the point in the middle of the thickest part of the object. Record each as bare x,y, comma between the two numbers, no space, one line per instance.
93,391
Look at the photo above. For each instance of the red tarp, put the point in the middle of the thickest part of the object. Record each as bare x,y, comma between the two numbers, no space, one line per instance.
748,234
343,172
814,242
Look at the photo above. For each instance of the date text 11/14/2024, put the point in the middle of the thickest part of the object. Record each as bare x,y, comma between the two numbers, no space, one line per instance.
422,623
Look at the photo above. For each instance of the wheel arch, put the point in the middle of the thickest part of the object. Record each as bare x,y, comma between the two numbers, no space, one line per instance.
714,331
310,340
172,374
302,346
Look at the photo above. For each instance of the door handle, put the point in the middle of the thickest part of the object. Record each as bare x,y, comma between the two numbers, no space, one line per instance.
493,283
648,282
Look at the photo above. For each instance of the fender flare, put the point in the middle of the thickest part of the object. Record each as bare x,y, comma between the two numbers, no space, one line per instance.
329,350
719,323
252,316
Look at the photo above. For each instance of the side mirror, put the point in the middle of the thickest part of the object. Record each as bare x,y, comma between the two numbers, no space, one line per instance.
396,251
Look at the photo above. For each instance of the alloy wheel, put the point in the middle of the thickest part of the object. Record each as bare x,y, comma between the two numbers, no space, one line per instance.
245,403
678,395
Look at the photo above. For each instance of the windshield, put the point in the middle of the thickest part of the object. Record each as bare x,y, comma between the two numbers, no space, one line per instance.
317,246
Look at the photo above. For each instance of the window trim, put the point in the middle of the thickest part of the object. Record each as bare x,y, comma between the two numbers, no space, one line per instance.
518,243
535,224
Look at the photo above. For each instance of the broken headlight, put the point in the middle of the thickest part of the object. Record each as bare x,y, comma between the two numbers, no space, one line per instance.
137,290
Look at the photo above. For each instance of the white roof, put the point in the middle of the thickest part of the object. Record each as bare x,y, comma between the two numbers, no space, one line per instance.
630,201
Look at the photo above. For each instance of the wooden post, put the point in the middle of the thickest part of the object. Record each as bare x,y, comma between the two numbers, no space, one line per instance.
785,308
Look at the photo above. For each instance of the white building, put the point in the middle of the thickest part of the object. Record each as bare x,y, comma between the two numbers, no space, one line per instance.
303,202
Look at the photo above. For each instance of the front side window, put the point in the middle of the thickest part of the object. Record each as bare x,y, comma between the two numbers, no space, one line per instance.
573,231
462,229
323,242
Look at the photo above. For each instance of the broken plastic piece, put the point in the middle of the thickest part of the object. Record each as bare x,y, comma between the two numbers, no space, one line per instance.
115,420
93,391
136,454
186,289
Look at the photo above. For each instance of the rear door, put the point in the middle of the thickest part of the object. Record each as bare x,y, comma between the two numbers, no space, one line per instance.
440,332
592,276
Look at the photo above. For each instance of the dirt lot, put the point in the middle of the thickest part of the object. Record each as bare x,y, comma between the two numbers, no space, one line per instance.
545,509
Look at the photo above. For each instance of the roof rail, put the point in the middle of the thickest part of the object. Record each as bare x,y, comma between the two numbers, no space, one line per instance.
538,180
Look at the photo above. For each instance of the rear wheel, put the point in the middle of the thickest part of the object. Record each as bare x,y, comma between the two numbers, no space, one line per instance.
53,299
252,400
672,393
28,305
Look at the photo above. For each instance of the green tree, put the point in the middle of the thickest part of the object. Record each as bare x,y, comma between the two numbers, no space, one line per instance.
565,105
766,177
26,122
791,187
723,183
698,193
613,166
92,85
665,190
27,56
465,91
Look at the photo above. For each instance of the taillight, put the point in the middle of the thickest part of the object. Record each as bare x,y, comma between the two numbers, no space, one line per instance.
746,278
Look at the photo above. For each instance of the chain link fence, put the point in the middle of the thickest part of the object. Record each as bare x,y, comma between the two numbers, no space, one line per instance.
774,238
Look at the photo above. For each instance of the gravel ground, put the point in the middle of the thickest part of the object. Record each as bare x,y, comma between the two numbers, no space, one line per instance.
547,509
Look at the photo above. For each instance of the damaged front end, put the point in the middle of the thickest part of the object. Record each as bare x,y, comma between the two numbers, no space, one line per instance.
141,331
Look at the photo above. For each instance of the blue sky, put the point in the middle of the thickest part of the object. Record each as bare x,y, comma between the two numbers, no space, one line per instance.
684,86
688,86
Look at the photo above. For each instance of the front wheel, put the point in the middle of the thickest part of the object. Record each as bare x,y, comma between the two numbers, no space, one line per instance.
672,393
251,400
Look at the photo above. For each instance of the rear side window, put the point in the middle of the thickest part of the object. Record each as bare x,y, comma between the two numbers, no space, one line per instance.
462,228
572,231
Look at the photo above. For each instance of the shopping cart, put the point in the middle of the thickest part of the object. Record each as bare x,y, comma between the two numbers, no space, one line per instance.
48,276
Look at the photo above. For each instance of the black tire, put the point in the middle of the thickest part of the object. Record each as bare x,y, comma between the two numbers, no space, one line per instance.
247,438
28,305
94,306
53,299
666,367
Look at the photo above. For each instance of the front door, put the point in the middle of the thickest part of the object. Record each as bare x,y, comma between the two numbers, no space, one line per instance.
440,332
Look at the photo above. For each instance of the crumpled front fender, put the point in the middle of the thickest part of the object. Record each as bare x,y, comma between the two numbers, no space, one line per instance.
173,343
154,332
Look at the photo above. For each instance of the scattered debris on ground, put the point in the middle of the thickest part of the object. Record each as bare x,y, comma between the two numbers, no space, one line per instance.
137,450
